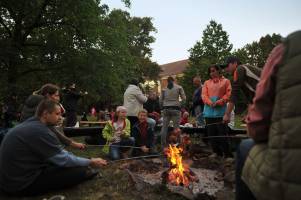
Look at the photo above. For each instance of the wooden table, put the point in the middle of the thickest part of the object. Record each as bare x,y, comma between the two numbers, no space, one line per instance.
93,123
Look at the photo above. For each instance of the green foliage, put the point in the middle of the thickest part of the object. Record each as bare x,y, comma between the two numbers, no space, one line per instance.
213,48
73,41
256,53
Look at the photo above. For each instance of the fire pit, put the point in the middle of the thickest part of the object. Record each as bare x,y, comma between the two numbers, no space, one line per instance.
178,177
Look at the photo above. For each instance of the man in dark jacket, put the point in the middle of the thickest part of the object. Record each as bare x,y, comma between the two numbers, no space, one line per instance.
71,97
197,101
152,106
143,134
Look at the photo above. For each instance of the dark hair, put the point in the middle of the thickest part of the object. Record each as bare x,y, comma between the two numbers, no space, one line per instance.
233,59
46,105
48,89
213,66
134,82
170,81
170,78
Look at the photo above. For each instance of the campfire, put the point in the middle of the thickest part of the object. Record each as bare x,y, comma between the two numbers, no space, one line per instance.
179,172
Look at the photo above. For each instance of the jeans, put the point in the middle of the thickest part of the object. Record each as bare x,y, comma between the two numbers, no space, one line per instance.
199,115
169,115
152,123
116,149
242,190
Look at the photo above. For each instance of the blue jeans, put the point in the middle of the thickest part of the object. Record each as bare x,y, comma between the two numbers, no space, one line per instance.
199,115
169,115
152,123
3,132
242,190
114,151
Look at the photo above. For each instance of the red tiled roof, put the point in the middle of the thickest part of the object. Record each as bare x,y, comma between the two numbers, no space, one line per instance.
174,68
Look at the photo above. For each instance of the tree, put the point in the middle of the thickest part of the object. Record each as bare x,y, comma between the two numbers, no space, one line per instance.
73,41
41,35
212,49
256,53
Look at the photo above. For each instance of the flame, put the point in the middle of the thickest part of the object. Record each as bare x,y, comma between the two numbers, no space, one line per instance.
177,174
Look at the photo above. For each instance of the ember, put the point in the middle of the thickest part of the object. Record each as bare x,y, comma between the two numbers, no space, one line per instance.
178,173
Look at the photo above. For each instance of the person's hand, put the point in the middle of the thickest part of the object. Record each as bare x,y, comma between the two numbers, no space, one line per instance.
85,92
226,118
219,102
144,149
78,145
113,139
97,162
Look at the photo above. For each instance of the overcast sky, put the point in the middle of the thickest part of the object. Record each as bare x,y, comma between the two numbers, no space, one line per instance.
180,23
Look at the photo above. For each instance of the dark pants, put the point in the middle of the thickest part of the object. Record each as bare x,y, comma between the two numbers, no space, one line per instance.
55,178
216,127
3,132
71,118
242,190
133,120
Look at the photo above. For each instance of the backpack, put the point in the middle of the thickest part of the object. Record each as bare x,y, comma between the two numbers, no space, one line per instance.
252,75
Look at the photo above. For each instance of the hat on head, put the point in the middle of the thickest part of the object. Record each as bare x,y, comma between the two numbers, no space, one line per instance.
230,59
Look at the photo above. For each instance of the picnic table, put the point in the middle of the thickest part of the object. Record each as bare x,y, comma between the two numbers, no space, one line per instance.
92,123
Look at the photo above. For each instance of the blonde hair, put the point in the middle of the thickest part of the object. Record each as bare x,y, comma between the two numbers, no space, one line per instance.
142,111
121,108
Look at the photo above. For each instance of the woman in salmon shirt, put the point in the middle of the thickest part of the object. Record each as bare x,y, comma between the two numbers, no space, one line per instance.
215,94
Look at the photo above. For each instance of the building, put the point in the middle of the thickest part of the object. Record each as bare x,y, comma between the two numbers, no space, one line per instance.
174,69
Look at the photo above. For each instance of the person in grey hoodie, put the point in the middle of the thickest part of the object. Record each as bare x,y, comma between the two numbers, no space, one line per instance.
170,102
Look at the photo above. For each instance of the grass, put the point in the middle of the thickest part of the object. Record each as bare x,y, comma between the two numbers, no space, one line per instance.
114,185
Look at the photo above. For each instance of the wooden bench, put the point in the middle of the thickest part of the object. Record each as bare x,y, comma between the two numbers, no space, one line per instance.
88,131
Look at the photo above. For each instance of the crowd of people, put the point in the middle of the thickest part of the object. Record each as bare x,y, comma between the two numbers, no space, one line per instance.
32,154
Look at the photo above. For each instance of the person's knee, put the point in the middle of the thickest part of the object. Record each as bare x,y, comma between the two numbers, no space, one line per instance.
114,154
245,147
131,141
151,122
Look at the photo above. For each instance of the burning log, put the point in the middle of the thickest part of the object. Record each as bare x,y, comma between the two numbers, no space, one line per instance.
178,172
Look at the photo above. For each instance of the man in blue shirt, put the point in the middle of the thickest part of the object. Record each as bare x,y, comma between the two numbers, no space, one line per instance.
32,161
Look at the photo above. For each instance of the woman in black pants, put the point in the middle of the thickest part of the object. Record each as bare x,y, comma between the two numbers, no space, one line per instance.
215,94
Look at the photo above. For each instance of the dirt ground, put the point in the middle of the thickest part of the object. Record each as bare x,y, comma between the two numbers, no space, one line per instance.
114,182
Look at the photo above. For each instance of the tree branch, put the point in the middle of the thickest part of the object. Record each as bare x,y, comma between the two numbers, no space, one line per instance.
36,21
38,70
32,44
4,25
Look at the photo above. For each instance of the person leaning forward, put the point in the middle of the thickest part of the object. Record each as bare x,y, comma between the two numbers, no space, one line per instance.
245,78
32,161
268,163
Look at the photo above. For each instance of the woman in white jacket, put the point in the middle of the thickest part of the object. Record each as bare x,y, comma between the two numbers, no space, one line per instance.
133,101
